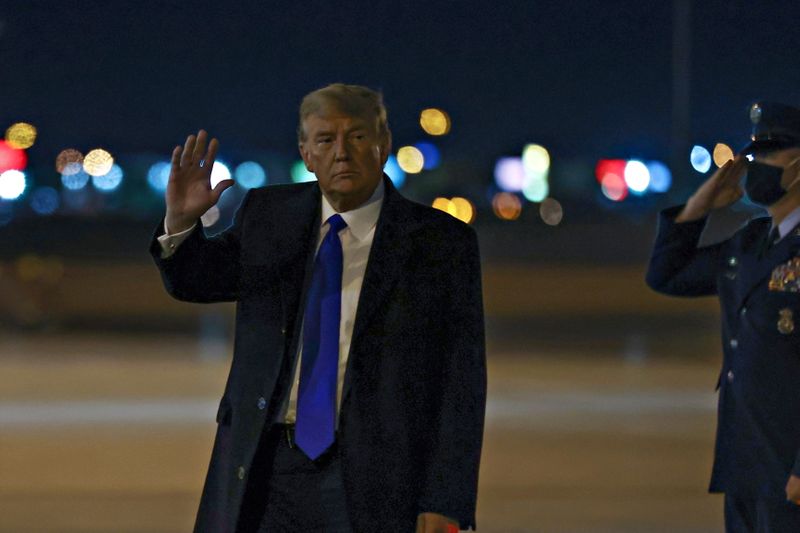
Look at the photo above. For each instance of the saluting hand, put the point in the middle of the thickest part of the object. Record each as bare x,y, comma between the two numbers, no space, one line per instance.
189,193
720,190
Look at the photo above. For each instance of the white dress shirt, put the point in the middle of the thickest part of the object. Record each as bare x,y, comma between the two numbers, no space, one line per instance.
356,241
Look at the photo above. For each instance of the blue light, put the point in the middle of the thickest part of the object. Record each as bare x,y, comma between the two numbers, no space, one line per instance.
110,180
430,154
300,173
660,176
158,176
250,175
75,182
395,173
44,200
700,159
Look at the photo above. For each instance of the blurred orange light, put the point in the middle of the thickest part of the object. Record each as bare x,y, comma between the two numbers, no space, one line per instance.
465,211
722,154
410,159
506,206
434,121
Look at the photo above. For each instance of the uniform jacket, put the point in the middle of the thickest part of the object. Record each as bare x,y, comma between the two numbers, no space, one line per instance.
758,428
411,419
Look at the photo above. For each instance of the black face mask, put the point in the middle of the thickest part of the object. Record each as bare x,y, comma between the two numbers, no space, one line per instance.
763,183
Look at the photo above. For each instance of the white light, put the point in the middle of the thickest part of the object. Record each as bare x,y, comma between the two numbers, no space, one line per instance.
509,174
700,159
536,191
637,177
219,172
12,184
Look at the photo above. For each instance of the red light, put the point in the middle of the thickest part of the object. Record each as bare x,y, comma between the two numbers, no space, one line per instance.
614,187
609,166
12,158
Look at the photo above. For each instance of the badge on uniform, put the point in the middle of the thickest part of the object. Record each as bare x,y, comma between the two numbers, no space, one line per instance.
786,277
785,321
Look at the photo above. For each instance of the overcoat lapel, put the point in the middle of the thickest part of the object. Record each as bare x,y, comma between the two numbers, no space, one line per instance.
300,219
386,259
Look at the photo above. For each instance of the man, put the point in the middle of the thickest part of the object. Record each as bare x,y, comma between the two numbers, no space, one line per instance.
756,274
355,400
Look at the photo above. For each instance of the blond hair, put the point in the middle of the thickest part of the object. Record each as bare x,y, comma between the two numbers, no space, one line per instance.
353,100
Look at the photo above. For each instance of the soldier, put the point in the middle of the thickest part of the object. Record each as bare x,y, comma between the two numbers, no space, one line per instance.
756,275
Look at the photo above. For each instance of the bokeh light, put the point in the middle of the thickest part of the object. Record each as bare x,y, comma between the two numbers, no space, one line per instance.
506,206
410,159
434,121
536,159
395,173
465,211
536,190
637,176
250,175
69,161
660,176
300,174
97,162
158,176
430,155
219,172
509,174
722,154
610,166
700,159
44,200
12,158
12,184
21,135
551,212
460,208
109,181
614,187
75,182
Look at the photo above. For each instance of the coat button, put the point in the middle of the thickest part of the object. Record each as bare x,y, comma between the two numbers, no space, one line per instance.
743,311
283,330
240,472
734,343
262,403
732,261
730,376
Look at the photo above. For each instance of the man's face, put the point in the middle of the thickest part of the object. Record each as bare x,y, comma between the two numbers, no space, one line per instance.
346,154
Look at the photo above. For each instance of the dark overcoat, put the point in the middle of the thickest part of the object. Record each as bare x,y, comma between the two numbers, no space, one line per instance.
412,413
758,426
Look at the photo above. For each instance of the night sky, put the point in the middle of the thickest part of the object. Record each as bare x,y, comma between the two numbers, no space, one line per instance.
586,78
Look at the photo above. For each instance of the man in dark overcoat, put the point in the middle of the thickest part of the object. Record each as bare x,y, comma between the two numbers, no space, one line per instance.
356,395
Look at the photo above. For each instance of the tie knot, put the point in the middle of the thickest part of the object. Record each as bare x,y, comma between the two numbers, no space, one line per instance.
336,222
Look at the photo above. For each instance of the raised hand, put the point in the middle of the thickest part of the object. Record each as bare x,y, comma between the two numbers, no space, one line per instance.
189,193
720,190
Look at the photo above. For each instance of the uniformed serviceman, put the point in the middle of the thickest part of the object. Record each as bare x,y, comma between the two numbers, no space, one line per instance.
756,274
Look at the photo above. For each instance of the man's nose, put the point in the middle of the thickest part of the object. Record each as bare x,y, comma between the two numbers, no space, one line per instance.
340,150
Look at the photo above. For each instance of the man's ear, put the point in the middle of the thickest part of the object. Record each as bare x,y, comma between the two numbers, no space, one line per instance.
305,155
385,148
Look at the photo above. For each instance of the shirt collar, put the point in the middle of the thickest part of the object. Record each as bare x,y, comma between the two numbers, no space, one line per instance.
790,222
362,219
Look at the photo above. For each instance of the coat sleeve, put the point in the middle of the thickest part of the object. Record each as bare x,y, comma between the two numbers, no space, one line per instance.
678,267
203,269
450,480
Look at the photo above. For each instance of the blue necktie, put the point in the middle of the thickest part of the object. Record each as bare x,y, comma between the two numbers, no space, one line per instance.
316,399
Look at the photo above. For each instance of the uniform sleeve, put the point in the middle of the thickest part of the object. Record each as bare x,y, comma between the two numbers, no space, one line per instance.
677,266
203,269
451,472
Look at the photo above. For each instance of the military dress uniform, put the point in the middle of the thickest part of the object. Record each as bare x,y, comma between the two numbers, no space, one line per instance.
756,275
